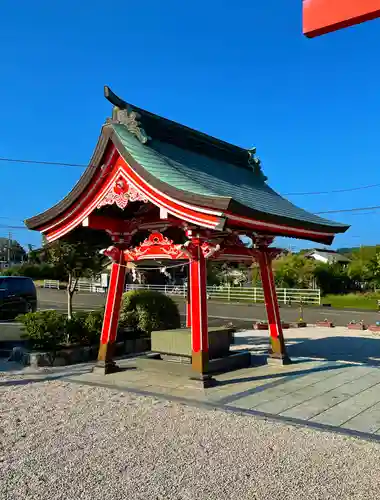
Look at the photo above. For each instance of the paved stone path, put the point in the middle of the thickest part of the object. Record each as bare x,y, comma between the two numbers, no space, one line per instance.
333,384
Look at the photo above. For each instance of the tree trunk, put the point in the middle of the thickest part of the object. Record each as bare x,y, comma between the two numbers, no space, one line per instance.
71,286
69,304
69,297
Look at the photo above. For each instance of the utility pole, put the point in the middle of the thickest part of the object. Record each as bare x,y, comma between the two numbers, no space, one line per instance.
9,249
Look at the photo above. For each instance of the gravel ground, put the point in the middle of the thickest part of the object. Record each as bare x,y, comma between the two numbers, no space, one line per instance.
65,441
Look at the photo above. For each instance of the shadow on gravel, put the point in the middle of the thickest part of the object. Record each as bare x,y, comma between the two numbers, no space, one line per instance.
25,381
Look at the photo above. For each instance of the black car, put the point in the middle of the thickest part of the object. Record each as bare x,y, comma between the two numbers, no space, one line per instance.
17,296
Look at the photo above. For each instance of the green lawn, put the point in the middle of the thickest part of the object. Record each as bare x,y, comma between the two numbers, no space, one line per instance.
353,301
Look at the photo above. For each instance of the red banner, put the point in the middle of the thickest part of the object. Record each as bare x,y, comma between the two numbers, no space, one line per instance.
324,16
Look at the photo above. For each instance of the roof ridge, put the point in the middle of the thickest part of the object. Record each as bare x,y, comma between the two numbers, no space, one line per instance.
142,122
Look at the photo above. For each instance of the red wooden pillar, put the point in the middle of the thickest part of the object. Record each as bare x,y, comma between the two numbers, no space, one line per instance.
112,312
188,300
198,305
278,349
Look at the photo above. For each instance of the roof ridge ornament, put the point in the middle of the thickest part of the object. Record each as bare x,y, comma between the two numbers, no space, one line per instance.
130,119
255,163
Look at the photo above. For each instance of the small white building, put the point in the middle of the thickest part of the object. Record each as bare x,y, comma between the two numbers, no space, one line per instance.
328,256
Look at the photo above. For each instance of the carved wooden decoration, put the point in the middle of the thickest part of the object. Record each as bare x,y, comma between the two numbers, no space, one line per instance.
112,253
261,240
255,163
121,193
156,246
129,119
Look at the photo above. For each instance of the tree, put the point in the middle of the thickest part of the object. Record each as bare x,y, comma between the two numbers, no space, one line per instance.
293,271
374,269
362,268
213,273
37,256
79,255
332,278
359,272
11,250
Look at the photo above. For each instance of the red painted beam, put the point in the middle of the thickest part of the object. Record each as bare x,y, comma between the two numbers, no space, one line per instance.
198,305
278,349
324,16
111,314
188,300
113,303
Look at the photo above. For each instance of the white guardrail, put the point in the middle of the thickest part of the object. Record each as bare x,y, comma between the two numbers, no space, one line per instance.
222,293
82,286
241,294
51,284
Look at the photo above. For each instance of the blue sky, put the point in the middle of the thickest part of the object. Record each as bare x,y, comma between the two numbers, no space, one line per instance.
241,71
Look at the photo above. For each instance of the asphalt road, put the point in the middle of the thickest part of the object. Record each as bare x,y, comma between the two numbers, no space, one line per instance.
56,299
241,315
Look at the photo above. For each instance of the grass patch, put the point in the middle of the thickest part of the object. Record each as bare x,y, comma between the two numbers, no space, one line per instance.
353,301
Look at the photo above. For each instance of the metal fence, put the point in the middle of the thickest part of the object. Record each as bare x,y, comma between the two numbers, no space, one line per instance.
83,285
241,294
222,293
51,284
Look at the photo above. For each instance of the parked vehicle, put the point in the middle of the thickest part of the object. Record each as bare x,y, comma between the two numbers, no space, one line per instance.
17,296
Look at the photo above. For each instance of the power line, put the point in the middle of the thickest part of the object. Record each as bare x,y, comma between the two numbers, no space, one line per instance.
80,165
364,213
348,210
35,162
4,226
347,190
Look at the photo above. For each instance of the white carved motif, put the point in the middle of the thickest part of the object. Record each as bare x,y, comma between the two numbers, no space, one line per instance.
121,193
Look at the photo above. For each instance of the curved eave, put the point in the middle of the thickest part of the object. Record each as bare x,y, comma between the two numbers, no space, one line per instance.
237,214
38,221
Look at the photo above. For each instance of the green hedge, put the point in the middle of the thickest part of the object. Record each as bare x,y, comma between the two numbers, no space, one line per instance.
44,331
148,310
142,310
84,327
48,330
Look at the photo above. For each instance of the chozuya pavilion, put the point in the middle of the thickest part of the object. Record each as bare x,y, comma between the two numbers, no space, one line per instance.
151,181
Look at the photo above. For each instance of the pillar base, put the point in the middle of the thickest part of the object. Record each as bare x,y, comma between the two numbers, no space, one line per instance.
278,350
200,369
105,363
200,362
275,359
105,368
203,381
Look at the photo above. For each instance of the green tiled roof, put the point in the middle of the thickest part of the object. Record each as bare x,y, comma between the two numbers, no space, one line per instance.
202,175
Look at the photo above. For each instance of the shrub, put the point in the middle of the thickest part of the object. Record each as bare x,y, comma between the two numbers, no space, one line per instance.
75,328
94,323
48,330
148,310
45,331
84,327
